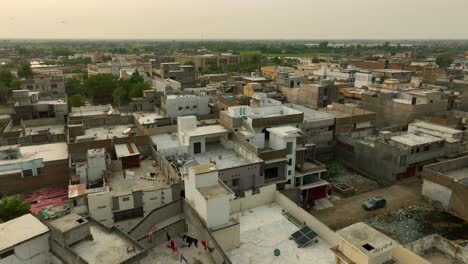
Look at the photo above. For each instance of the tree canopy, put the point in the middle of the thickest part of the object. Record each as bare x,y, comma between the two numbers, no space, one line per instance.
444,60
25,71
75,100
12,207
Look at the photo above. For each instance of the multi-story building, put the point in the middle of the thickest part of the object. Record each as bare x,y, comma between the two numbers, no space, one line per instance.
184,74
313,95
220,60
45,85
114,67
182,105
400,108
318,128
29,105
394,156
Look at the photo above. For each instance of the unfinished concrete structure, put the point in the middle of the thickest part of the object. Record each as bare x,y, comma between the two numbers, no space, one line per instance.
401,108
29,105
184,74
313,95
351,120
318,128
394,156
446,183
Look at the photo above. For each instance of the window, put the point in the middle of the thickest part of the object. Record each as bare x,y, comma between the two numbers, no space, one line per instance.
54,86
235,182
426,148
39,171
102,207
289,147
417,150
298,182
290,162
289,172
126,199
27,173
271,173
180,107
194,107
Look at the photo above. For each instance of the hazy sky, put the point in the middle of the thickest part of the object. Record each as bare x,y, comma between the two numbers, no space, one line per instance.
234,19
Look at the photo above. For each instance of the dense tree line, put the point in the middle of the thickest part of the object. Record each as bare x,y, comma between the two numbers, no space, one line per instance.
105,88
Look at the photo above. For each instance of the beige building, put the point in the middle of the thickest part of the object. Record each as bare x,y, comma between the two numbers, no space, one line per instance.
362,244
221,60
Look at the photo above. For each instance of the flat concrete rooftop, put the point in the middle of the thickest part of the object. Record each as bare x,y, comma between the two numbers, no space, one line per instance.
146,118
46,152
415,140
140,181
108,132
264,229
310,114
106,247
166,141
458,174
35,130
224,158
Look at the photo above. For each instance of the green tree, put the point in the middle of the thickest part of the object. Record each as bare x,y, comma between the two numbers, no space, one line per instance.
6,77
277,61
73,86
323,45
25,71
315,59
444,60
383,78
75,100
12,207
4,93
15,84
100,87
136,77
189,63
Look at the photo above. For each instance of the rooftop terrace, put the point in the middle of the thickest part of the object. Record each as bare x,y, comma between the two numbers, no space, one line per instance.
264,229
142,180
107,247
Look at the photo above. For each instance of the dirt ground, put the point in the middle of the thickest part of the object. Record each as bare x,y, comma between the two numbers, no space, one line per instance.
348,211
339,173
417,221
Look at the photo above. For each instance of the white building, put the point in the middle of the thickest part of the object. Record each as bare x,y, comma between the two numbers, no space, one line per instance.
182,105
363,79
285,138
208,195
24,240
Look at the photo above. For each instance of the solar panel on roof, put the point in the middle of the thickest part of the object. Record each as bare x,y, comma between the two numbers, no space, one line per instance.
305,229
304,236
296,235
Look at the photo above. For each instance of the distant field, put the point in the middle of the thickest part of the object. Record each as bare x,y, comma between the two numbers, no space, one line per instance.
250,52
302,55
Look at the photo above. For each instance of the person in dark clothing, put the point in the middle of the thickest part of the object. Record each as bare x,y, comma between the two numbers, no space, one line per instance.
168,236
190,240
